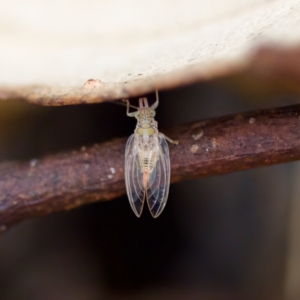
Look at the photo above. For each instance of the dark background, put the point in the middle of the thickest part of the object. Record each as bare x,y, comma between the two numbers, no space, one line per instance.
224,237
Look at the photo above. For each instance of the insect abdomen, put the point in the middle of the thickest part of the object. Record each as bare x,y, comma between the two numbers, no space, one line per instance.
148,163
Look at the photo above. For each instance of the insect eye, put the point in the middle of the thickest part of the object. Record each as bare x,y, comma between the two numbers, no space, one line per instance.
152,113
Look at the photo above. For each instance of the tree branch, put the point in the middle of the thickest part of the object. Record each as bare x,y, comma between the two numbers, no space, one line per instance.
206,148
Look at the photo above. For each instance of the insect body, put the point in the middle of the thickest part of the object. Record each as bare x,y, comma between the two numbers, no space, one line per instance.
147,161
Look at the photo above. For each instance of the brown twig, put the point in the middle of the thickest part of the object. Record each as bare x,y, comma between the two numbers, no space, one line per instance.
206,148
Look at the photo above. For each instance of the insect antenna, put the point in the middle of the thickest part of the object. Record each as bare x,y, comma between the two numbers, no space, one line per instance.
123,104
145,102
141,103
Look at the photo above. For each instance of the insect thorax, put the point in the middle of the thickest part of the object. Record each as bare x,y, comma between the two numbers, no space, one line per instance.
146,128
146,138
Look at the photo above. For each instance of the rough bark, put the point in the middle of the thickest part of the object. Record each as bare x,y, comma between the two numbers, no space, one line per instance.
206,148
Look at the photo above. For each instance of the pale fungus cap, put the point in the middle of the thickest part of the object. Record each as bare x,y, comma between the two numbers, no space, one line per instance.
67,52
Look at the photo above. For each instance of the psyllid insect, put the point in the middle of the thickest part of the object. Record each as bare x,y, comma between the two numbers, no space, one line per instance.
147,161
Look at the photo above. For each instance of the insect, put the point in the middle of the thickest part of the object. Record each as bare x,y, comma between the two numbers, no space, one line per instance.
147,161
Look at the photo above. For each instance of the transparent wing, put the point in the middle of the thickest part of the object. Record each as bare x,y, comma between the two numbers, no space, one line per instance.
159,182
134,177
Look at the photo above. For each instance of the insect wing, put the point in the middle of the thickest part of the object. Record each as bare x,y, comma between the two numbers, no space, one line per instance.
134,177
159,182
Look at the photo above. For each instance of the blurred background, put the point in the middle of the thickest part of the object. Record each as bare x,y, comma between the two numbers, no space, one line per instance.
227,237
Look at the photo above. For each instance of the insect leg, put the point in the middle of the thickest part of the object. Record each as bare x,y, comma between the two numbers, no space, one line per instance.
154,106
169,140
132,114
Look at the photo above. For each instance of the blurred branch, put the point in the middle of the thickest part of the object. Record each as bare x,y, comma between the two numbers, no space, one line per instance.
206,148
